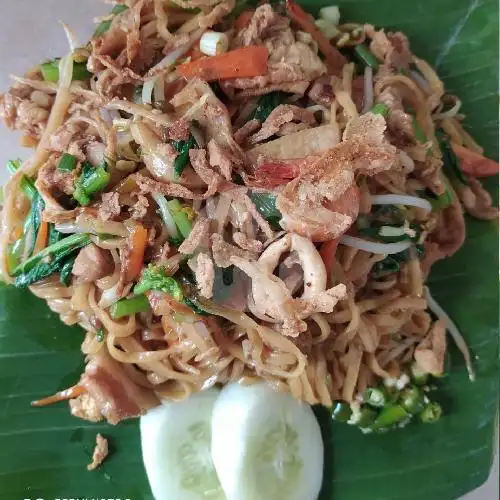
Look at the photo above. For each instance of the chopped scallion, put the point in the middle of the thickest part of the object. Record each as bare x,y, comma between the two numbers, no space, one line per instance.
381,109
364,55
126,307
67,163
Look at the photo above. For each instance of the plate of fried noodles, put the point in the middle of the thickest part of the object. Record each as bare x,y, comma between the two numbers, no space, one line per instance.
262,203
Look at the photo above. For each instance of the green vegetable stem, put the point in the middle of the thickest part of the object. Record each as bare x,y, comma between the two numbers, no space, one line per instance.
126,307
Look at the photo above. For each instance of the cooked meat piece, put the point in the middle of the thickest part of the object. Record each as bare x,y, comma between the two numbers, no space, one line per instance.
85,407
279,116
265,23
241,135
100,452
110,206
140,208
200,165
222,158
242,240
92,263
321,91
476,200
399,123
390,48
205,275
448,236
430,353
56,181
290,60
223,252
197,236
112,390
23,109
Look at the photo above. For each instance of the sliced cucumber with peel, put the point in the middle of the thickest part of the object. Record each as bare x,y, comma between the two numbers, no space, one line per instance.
266,445
175,440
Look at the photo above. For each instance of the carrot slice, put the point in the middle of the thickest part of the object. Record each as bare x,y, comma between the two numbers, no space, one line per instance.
71,393
41,239
243,20
334,59
475,164
135,257
246,62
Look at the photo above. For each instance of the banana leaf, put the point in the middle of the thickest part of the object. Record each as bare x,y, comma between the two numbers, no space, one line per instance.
43,452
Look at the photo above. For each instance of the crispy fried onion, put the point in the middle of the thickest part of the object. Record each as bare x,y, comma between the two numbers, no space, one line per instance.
321,203
273,301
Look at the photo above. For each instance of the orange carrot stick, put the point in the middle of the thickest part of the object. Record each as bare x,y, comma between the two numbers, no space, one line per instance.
334,59
475,164
246,62
71,393
41,239
135,258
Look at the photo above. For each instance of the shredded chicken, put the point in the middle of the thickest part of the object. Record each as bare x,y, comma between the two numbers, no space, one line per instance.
198,236
110,206
390,48
430,353
281,115
111,391
91,264
223,252
100,452
205,275
311,204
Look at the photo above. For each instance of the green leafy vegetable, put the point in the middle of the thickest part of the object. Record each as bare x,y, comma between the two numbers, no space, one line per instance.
266,104
27,185
363,54
154,278
181,217
265,203
50,71
126,307
54,235
67,163
381,109
61,247
392,263
35,218
91,181
183,147
450,162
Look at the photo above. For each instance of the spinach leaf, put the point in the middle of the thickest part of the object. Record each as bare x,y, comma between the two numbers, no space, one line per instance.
265,203
266,104
35,218
183,147
450,161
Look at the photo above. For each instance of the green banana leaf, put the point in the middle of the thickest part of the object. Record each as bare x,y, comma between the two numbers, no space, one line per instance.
43,452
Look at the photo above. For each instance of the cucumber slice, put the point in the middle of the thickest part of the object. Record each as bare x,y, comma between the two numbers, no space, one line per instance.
266,445
175,440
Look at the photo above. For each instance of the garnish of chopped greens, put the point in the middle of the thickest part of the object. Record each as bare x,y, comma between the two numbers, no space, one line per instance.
182,159
266,104
92,180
